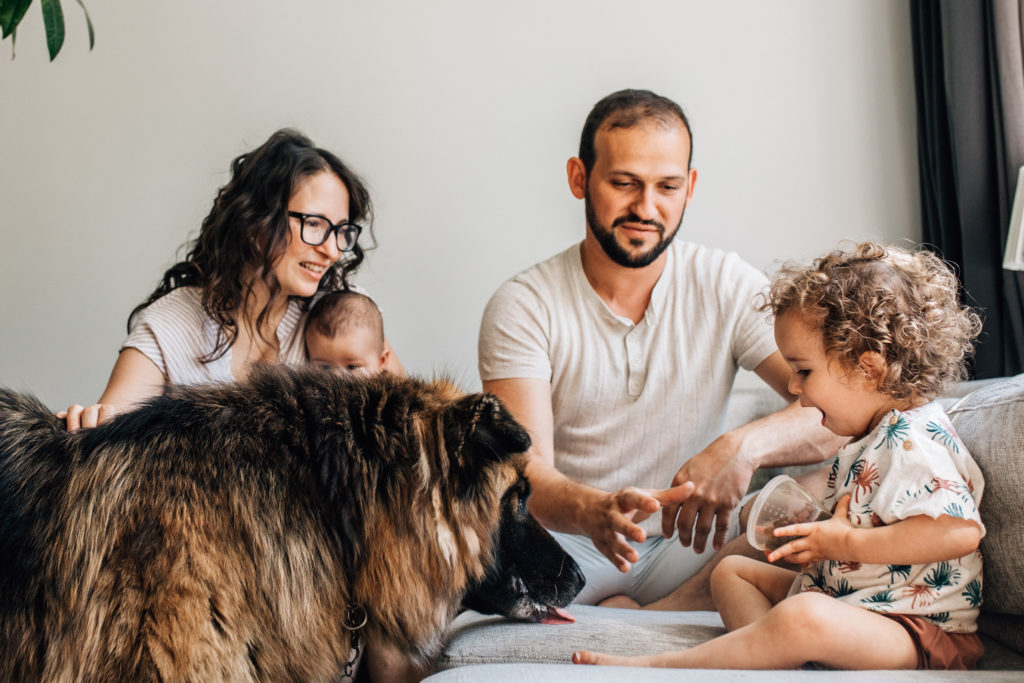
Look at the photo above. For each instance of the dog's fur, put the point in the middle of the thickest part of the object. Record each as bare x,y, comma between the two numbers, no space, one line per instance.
224,532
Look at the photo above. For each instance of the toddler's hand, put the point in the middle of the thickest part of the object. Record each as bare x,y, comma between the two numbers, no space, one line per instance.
818,540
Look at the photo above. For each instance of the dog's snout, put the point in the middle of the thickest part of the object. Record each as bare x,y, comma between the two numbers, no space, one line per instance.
578,579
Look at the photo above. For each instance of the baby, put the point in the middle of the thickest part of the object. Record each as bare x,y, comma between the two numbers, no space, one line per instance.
893,580
345,330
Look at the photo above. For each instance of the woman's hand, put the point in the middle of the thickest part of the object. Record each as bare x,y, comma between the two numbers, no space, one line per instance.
134,379
87,417
818,541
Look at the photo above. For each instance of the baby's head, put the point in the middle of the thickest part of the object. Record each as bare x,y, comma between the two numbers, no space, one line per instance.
345,330
871,329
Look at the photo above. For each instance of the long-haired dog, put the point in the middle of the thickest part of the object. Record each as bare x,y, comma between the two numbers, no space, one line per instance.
246,531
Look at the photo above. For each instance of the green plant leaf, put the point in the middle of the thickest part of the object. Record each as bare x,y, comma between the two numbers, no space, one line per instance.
11,14
88,22
53,20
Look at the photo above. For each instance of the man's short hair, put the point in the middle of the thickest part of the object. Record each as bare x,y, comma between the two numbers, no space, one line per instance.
625,109
341,312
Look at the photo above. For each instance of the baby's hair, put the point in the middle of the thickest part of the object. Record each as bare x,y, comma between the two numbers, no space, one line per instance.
340,312
902,305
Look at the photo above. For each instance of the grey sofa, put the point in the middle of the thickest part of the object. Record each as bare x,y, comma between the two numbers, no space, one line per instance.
989,417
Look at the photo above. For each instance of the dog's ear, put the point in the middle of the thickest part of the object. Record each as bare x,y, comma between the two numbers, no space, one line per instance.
484,433
492,428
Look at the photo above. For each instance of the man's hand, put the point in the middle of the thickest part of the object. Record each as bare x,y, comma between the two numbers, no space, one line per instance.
614,517
818,540
720,476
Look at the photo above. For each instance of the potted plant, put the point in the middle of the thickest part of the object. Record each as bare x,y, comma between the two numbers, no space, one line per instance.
13,11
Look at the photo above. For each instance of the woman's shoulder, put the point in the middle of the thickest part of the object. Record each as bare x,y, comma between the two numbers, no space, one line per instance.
181,306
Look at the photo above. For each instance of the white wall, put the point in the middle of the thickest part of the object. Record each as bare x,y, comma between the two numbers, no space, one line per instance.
460,116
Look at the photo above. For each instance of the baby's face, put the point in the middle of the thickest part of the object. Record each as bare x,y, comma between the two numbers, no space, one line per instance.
356,352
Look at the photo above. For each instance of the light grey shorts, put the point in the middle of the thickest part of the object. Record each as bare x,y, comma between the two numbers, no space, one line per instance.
663,565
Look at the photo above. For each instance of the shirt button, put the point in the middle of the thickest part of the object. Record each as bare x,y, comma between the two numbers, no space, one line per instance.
894,419
908,444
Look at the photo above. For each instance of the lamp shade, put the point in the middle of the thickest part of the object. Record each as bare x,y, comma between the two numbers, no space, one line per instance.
1014,257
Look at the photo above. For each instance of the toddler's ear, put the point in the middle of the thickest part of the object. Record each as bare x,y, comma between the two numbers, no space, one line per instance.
873,365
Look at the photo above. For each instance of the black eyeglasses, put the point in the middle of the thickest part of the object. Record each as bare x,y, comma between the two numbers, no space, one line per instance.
315,230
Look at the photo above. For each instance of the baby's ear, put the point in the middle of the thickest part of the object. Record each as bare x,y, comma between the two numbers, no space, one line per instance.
873,364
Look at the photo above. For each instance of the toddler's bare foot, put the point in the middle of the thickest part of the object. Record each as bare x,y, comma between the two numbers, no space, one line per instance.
584,657
602,659
621,602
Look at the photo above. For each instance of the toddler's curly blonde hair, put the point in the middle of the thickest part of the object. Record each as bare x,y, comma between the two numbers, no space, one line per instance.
902,305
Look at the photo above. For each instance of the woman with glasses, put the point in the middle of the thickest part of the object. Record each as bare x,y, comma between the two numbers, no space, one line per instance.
285,227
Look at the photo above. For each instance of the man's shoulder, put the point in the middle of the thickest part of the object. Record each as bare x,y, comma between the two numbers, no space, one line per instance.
551,267
532,293
694,255
714,272
547,274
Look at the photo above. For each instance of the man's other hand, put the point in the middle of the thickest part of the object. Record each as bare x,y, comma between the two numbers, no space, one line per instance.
720,476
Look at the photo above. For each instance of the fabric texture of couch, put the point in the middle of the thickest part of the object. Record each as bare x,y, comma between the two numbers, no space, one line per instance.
989,416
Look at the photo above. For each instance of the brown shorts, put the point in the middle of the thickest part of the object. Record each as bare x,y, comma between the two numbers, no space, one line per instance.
937,649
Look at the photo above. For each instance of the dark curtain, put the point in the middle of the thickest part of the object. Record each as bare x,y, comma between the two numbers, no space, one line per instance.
969,81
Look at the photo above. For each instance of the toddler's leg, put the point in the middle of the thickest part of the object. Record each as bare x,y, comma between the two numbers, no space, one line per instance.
745,589
808,627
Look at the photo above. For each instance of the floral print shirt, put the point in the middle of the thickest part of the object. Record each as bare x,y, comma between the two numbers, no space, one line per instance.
912,464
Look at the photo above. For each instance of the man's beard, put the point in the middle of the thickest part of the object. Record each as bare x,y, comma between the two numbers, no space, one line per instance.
606,237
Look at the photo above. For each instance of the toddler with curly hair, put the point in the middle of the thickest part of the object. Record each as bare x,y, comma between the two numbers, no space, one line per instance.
893,579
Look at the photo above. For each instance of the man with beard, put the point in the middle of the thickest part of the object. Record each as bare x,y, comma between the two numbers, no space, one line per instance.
618,356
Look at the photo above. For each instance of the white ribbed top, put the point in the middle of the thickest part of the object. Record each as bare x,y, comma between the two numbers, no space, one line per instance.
174,332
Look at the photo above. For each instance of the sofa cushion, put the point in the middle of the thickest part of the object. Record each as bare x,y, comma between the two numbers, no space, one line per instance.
991,423
474,638
569,673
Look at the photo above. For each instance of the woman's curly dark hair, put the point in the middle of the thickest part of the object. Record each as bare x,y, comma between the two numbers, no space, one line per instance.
247,230
902,305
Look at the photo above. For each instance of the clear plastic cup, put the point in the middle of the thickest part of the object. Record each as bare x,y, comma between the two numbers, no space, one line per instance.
780,503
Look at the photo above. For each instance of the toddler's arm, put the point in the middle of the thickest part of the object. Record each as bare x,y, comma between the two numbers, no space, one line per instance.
915,540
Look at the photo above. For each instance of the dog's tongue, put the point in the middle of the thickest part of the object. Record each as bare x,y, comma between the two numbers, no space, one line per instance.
557,615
